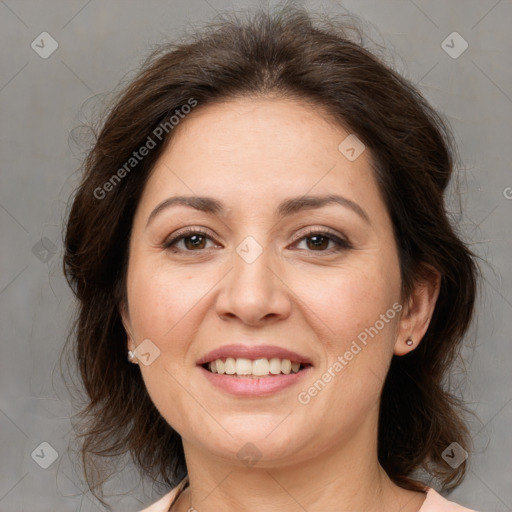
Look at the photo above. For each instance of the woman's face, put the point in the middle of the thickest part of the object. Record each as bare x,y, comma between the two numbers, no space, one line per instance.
261,263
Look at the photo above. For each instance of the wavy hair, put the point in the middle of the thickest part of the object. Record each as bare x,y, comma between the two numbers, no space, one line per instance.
288,53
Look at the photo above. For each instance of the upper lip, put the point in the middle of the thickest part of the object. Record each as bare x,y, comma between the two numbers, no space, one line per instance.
253,352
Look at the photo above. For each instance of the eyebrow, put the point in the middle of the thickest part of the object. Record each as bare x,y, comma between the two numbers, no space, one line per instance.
287,207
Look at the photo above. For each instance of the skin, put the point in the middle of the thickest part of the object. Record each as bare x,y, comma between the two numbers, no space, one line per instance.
251,154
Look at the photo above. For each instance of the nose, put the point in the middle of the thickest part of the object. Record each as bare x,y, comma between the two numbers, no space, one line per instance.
254,292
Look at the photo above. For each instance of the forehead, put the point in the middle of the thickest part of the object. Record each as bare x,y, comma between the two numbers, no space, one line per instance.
270,129
257,150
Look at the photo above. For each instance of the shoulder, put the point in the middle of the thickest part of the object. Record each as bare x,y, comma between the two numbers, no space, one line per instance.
436,503
433,503
165,502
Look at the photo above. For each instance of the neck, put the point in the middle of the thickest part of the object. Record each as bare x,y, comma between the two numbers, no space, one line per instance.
344,479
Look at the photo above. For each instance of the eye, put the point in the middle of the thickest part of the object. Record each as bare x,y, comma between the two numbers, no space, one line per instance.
192,240
323,241
316,240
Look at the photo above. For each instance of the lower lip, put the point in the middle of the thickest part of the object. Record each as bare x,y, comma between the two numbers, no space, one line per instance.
253,386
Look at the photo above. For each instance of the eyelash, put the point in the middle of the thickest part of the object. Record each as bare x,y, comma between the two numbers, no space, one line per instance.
341,243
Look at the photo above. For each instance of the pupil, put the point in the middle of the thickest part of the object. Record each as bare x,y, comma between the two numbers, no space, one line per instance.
319,242
194,241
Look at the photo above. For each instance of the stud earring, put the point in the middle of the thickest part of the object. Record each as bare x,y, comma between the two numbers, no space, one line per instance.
131,357
410,342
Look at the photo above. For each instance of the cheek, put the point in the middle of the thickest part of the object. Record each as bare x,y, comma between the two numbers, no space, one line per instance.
347,300
164,307
161,300
354,315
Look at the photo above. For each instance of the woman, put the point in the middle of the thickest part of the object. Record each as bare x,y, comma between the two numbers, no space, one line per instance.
261,226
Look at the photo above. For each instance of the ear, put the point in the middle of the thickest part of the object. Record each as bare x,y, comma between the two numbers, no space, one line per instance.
125,318
418,311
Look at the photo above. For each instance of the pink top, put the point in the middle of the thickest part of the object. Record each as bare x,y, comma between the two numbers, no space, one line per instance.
433,503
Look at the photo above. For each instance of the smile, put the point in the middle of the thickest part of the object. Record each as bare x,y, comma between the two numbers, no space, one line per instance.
244,367
252,369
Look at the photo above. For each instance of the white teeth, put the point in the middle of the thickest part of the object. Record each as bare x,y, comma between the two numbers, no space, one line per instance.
257,367
286,366
229,366
275,366
260,367
243,366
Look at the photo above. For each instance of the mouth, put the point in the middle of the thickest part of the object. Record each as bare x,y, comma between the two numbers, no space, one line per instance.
254,371
242,367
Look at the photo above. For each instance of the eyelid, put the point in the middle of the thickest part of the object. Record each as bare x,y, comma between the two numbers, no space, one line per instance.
317,230
192,229
188,231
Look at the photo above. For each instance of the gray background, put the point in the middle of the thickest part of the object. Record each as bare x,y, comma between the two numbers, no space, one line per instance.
42,100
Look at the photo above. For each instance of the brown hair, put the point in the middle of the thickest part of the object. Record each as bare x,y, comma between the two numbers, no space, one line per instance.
290,54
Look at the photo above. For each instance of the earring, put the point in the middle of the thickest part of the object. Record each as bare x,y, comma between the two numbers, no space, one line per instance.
410,342
131,357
